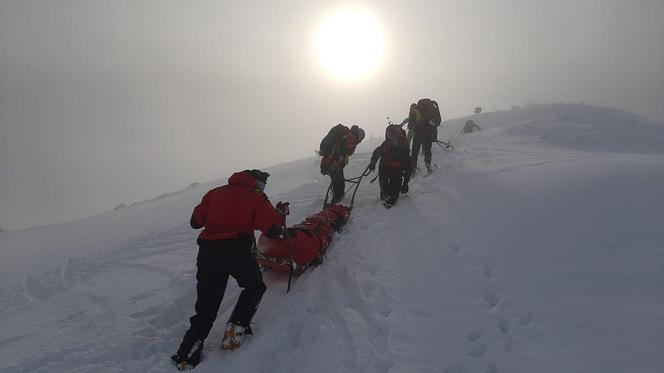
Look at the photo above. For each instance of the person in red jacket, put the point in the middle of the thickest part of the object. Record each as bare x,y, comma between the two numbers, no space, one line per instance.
229,216
336,147
395,165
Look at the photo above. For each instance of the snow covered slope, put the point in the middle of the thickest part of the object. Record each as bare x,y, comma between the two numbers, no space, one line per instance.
537,246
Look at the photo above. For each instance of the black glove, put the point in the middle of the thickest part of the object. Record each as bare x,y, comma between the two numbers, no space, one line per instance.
404,188
282,208
372,166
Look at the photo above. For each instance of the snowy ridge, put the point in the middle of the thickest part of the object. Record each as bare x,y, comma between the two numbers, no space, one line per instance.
537,246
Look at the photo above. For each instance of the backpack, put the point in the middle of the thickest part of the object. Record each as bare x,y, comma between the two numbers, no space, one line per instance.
414,115
396,135
430,112
332,138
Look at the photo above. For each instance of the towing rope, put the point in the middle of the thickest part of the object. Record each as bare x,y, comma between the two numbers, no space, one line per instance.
355,181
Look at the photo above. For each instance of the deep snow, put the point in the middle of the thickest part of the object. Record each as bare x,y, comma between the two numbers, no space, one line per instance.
537,246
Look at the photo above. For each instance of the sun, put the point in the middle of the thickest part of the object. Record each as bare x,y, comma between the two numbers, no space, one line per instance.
350,44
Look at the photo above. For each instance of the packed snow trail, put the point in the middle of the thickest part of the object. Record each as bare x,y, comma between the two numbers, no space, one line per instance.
535,247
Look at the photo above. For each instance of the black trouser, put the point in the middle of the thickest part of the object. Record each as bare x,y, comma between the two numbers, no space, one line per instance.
390,184
423,139
216,261
338,186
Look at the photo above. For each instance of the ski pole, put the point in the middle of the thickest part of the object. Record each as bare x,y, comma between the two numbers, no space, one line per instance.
445,145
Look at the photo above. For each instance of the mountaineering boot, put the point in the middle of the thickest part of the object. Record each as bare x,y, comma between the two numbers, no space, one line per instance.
336,199
234,336
389,202
189,353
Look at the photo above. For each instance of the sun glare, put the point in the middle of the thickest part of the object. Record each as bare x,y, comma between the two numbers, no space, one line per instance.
350,44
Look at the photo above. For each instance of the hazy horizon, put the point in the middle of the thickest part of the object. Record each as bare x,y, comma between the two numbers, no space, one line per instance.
116,102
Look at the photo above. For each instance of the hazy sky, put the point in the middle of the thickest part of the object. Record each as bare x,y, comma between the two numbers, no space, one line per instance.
105,102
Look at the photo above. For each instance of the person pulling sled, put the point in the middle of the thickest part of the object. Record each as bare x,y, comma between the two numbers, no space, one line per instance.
395,165
336,147
229,216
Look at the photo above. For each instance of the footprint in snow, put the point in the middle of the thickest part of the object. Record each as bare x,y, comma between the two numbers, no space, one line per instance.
492,367
477,349
487,266
492,297
476,334
455,248
525,318
509,343
504,325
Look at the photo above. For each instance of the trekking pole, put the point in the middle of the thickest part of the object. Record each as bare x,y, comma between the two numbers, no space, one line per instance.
445,145
374,179
291,261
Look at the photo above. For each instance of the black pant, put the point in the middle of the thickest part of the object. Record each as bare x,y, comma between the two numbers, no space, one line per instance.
338,186
390,184
216,261
423,139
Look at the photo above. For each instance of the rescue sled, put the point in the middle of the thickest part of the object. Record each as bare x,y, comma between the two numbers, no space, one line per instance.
305,243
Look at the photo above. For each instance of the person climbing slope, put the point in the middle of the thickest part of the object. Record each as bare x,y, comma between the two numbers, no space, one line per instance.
395,165
336,147
229,216
423,118
469,127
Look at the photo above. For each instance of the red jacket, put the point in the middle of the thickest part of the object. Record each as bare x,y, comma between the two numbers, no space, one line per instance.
235,210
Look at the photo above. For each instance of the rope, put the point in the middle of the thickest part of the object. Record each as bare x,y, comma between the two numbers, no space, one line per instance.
355,181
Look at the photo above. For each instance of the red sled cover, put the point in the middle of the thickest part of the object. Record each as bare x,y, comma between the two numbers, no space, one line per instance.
307,241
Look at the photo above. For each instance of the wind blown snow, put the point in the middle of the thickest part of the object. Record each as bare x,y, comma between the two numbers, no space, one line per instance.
537,246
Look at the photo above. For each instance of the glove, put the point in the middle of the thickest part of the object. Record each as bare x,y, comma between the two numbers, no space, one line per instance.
282,208
372,166
404,188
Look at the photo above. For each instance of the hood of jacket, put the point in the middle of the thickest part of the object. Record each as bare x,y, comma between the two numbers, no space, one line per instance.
242,178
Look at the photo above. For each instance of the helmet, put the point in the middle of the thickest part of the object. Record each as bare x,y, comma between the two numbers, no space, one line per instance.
359,133
259,175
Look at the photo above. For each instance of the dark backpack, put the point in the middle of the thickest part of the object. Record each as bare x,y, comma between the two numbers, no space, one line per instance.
332,138
429,110
396,135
